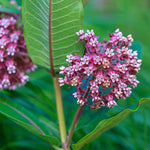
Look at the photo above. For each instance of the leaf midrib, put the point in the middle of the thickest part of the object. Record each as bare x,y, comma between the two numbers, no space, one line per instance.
50,39
24,116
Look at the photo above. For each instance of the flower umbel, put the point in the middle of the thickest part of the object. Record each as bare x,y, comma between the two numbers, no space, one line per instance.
109,68
14,59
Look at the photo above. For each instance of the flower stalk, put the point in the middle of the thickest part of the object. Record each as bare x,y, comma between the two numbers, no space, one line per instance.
76,119
74,123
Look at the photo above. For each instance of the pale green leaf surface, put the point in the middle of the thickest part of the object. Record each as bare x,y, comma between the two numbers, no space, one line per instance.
66,20
105,125
27,120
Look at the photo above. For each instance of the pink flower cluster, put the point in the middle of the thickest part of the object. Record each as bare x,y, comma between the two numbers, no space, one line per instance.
108,67
14,59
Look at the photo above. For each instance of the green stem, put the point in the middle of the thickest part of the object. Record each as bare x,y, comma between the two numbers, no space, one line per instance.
60,112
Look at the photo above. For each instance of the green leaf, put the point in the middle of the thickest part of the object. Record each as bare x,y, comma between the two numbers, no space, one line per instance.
106,124
50,28
8,7
21,144
10,10
27,120
85,2
19,2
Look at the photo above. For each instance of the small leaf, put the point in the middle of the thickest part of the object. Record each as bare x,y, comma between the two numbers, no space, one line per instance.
106,124
50,28
27,120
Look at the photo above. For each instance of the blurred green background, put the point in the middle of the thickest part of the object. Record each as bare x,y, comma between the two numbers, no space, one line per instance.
104,16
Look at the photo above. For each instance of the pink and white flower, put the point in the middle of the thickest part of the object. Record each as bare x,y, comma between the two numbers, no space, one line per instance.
108,68
13,64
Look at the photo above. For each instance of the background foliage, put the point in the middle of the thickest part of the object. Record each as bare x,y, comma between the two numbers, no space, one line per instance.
130,134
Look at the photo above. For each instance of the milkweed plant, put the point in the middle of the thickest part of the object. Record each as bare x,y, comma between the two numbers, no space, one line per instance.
52,36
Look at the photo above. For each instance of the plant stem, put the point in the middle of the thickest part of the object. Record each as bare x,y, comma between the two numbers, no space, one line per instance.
60,112
75,121
21,54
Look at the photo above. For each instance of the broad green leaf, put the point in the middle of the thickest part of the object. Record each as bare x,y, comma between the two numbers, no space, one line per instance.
106,124
27,120
50,28
85,2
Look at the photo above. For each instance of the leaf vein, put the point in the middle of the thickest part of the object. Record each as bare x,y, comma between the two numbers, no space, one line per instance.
39,42
42,31
38,9
65,7
66,37
63,47
43,8
42,60
72,27
45,4
57,2
38,20
39,51
24,116
65,23
56,57
63,16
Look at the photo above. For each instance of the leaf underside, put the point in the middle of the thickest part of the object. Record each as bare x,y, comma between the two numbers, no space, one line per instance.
105,125
66,19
